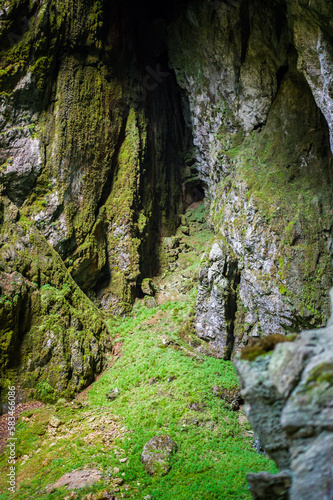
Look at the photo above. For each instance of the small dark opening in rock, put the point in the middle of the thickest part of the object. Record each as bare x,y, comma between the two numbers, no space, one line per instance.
194,194
281,73
198,193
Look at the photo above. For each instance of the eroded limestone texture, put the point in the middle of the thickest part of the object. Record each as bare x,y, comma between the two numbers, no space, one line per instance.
50,331
289,397
263,153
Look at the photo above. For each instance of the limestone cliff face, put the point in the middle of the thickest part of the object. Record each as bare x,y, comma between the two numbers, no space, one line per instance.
257,75
117,115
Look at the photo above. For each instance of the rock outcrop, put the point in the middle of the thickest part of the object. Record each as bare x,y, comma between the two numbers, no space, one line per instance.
51,334
257,75
289,400
217,295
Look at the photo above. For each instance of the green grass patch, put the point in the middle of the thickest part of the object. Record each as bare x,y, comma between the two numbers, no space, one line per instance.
165,387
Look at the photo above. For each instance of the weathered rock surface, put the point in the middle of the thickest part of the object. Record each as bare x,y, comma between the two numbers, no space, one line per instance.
77,479
216,308
50,332
289,401
270,486
156,454
261,145
147,287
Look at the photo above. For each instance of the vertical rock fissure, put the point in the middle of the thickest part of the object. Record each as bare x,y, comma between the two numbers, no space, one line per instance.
233,276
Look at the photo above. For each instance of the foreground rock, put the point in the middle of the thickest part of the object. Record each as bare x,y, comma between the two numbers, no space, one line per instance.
77,479
270,486
156,454
289,402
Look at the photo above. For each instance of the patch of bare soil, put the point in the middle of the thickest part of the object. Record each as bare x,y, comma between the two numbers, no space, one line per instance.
19,408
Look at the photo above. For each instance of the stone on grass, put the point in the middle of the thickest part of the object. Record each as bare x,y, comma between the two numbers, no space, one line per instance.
100,495
113,394
154,380
61,403
54,422
150,302
156,454
76,479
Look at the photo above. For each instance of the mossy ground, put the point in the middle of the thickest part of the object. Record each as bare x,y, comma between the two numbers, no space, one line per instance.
160,379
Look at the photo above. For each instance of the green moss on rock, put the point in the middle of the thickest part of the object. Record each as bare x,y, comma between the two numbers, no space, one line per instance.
263,346
50,333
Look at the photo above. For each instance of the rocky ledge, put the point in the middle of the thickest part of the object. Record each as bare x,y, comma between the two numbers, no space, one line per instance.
289,402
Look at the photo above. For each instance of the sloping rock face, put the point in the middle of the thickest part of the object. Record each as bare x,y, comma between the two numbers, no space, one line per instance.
50,331
257,75
289,397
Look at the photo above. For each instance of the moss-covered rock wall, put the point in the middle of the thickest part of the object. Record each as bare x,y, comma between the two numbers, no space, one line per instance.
50,332
92,138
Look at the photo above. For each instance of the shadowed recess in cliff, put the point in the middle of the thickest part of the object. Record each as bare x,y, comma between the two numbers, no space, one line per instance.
162,194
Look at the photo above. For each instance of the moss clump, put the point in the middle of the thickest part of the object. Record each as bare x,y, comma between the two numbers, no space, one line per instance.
321,374
264,345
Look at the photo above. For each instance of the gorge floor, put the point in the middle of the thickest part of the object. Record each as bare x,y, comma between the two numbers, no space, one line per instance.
164,380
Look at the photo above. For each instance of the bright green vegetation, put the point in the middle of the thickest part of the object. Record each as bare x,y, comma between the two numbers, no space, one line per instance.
213,455
165,387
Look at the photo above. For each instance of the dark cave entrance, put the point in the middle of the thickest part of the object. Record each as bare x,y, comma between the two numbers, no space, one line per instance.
137,31
194,194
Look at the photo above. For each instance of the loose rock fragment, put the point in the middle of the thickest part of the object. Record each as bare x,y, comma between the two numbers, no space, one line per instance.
156,454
